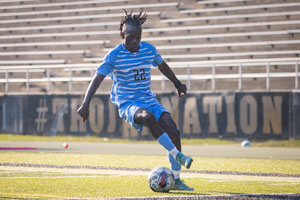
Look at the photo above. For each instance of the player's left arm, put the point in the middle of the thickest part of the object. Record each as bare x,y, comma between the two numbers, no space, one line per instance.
167,71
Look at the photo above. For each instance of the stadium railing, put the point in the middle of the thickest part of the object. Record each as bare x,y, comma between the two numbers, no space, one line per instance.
186,77
48,78
26,80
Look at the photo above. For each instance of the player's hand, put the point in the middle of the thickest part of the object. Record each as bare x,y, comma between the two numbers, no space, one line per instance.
181,88
83,111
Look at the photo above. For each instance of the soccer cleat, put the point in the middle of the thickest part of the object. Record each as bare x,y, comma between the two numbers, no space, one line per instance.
186,161
179,185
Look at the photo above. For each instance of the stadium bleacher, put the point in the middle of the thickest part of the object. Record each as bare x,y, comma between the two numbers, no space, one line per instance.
55,46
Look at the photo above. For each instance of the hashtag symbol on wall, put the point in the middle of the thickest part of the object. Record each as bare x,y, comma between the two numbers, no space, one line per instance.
41,120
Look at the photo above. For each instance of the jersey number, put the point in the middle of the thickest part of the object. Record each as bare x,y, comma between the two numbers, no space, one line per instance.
139,74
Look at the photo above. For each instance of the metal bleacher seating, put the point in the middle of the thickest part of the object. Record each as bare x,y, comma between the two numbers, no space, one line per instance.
65,18
221,35
43,52
222,17
66,43
30,62
210,44
15,1
239,8
236,44
90,9
61,4
218,26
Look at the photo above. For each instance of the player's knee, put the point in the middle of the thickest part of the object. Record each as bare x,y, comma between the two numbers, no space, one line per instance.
144,116
149,118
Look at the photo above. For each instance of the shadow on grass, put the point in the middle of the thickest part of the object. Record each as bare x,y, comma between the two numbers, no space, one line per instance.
225,193
185,193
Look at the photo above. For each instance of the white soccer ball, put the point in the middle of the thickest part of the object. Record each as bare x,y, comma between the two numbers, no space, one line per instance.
161,179
246,143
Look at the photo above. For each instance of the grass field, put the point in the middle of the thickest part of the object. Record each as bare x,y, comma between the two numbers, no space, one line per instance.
50,175
64,180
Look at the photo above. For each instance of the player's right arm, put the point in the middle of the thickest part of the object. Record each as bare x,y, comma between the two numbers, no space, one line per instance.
83,110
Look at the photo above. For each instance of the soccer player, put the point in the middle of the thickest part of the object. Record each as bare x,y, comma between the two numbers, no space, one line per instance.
129,67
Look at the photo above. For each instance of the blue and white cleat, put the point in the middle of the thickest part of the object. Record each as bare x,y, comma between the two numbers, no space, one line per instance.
186,161
179,185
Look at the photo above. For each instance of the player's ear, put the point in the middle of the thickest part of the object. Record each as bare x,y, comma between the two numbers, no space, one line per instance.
122,34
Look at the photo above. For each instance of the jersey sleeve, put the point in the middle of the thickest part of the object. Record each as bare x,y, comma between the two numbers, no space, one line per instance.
107,65
157,60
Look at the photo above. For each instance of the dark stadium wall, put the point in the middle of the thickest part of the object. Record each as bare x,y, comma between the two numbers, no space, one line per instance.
224,115
295,134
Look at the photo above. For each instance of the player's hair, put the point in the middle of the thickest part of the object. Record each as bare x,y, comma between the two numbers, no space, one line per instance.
135,20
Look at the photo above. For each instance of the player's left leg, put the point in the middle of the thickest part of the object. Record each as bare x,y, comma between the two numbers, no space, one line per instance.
169,126
146,117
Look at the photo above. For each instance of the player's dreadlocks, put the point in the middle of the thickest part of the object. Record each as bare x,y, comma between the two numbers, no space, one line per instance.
135,20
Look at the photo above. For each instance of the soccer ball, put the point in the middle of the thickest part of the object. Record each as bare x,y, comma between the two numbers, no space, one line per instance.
161,179
246,143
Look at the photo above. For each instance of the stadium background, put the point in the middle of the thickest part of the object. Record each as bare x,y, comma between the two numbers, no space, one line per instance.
239,59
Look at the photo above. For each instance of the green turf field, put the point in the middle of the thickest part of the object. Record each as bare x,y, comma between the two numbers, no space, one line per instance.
53,175
72,176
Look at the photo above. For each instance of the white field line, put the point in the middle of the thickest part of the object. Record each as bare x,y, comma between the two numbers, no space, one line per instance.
145,173
285,184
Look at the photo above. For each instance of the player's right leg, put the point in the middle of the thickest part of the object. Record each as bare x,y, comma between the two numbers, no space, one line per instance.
169,126
145,117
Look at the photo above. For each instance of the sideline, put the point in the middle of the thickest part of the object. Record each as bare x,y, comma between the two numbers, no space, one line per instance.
222,151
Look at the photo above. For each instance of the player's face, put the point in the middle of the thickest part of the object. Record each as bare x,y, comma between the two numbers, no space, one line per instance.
132,37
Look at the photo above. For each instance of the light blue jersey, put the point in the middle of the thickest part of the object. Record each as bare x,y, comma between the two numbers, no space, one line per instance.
131,77
130,73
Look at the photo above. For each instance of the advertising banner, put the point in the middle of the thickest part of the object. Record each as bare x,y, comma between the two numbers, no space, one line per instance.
197,115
